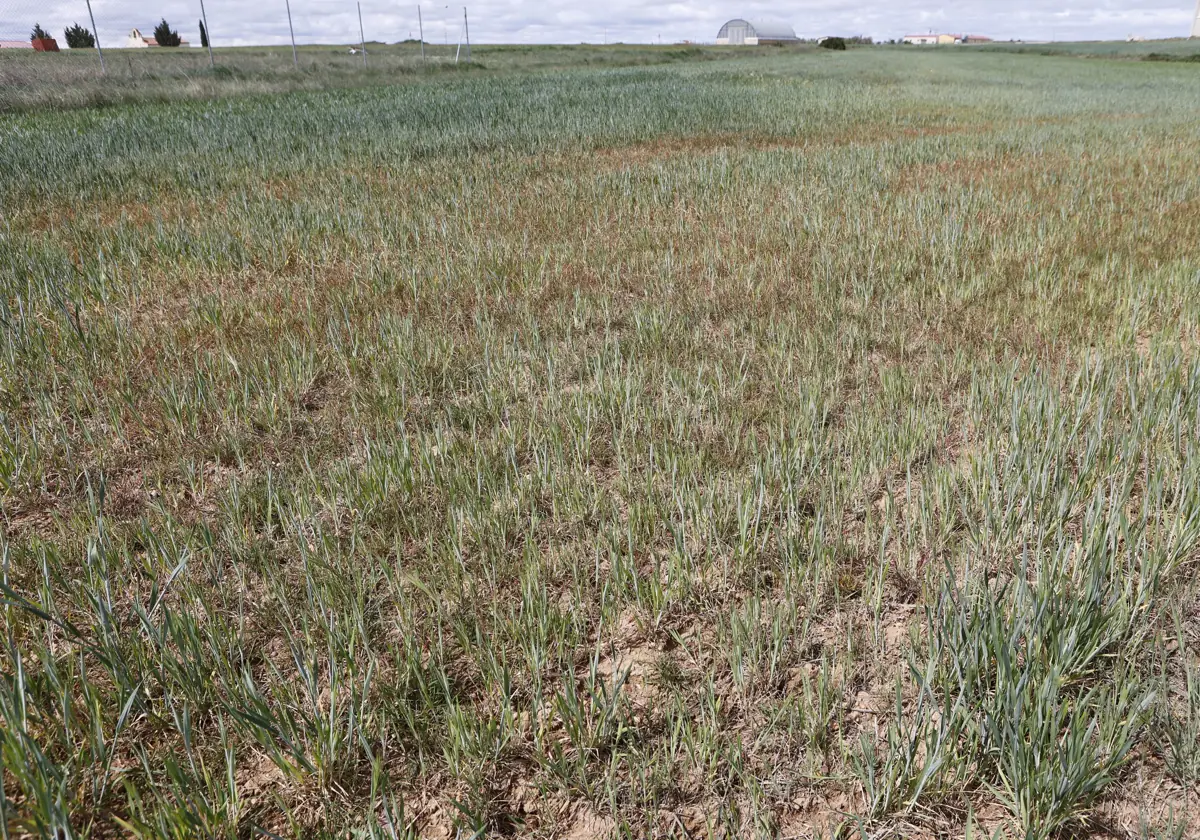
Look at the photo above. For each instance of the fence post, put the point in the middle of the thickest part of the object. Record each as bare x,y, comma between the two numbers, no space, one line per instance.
207,34
96,35
292,32
361,36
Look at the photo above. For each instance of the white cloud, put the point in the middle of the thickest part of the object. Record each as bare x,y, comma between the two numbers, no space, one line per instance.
236,22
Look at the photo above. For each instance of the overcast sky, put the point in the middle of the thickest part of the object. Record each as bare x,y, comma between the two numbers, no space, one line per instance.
238,22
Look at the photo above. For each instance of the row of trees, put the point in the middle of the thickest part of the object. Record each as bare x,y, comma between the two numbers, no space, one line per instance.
79,37
76,36
168,37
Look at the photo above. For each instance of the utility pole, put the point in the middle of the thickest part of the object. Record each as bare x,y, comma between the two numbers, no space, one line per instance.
96,35
1196,22
421,32
361,36
292,32
467,32
207,34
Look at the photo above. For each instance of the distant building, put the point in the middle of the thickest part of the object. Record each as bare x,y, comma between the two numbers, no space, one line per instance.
753,32
137,41
945,38
16,45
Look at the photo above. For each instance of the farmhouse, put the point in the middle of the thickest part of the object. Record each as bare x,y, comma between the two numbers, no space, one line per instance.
753,32
137,41
16,45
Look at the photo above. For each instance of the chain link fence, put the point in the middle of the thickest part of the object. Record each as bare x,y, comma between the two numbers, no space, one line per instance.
119,36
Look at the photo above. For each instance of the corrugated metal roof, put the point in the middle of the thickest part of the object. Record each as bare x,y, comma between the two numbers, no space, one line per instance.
772,30
765,30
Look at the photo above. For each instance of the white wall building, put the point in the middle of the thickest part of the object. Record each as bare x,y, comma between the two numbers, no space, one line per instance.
135,40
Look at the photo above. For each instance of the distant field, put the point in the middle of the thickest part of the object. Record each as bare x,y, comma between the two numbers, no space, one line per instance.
1175,48
73,78
788,444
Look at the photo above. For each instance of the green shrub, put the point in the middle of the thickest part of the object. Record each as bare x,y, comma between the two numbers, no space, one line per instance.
165,35
1155,56
79,38
834,43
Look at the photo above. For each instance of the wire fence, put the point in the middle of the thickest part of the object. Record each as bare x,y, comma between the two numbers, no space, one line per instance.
112,31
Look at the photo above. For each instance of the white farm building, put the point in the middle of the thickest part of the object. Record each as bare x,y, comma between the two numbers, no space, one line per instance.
137,41
752,32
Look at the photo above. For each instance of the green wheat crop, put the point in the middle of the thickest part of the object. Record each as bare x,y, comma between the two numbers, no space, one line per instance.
785,444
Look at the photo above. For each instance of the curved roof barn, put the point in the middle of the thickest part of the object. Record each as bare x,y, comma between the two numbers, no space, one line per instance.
740,31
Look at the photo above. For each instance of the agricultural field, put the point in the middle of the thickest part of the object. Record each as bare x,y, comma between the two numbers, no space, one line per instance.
789,444
74,79
1174,49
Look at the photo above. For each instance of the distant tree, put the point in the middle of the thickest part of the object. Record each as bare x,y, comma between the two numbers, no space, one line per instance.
203,35
38,33
834,43
79,38
165,35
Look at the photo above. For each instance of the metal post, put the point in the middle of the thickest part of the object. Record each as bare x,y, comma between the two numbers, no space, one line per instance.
96,35
421,31
467,31
295,58
361,36
458,49
207,34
